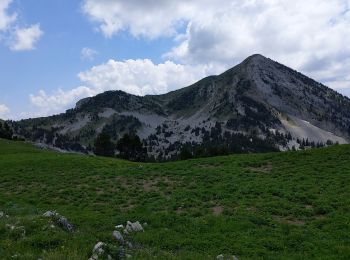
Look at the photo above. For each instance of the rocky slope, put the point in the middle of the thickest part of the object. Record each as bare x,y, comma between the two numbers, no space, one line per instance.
259,105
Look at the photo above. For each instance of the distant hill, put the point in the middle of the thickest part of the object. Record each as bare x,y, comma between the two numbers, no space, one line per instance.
257,106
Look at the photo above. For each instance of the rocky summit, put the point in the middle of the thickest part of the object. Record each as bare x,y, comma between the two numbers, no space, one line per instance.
257,106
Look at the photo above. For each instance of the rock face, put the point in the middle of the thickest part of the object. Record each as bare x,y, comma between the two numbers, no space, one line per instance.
259,105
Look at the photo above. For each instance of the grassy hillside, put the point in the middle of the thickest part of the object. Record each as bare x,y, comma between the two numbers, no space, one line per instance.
271,206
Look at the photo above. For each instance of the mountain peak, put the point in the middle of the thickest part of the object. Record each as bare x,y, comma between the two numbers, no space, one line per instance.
259,99
256,58
258,61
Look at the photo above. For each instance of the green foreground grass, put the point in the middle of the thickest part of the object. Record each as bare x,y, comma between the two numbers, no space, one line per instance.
293,205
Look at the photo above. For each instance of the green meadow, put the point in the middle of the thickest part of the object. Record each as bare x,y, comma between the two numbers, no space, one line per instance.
292,205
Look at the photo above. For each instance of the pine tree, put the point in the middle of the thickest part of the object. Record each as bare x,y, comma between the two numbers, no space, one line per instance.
104,146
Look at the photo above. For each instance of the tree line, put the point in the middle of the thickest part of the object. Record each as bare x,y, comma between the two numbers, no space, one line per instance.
128,147
5,131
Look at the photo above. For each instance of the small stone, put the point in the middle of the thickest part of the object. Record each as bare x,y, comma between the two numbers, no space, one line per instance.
220,257
98,248
2,214
50,214
129,245
94,257
119,227
65,224
121,253
145,224
118,236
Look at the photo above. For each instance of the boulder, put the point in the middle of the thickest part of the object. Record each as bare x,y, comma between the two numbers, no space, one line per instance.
97,251
65,224
59,220
118,236
98,248
133,227
50,214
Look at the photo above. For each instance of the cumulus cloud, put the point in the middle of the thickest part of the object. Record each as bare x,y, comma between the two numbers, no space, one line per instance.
24,39
88,54
59,100
139,77
150,18
6,19
4,111
16,37
312,36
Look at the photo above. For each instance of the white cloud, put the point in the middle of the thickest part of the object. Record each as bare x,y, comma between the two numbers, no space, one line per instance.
25,38
88,54
4,111
312,36
139,77
15,36
6,19
59,100
150,18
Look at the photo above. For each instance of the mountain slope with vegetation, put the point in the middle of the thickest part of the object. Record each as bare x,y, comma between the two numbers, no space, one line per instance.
293,205
257,106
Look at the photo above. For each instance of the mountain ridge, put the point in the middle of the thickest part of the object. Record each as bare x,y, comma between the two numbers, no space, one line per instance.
259,99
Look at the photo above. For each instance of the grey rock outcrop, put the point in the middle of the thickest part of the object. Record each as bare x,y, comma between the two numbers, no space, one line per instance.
118,236
59,220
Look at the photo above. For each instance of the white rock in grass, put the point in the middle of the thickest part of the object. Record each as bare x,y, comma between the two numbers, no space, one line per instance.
222,257
49,214
134,227
119,227
118,236
98,248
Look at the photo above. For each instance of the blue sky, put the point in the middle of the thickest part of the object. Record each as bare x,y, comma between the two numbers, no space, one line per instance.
52,53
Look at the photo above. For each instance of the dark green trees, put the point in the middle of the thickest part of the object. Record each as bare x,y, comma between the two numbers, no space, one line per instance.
5,131
104,146
131,148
